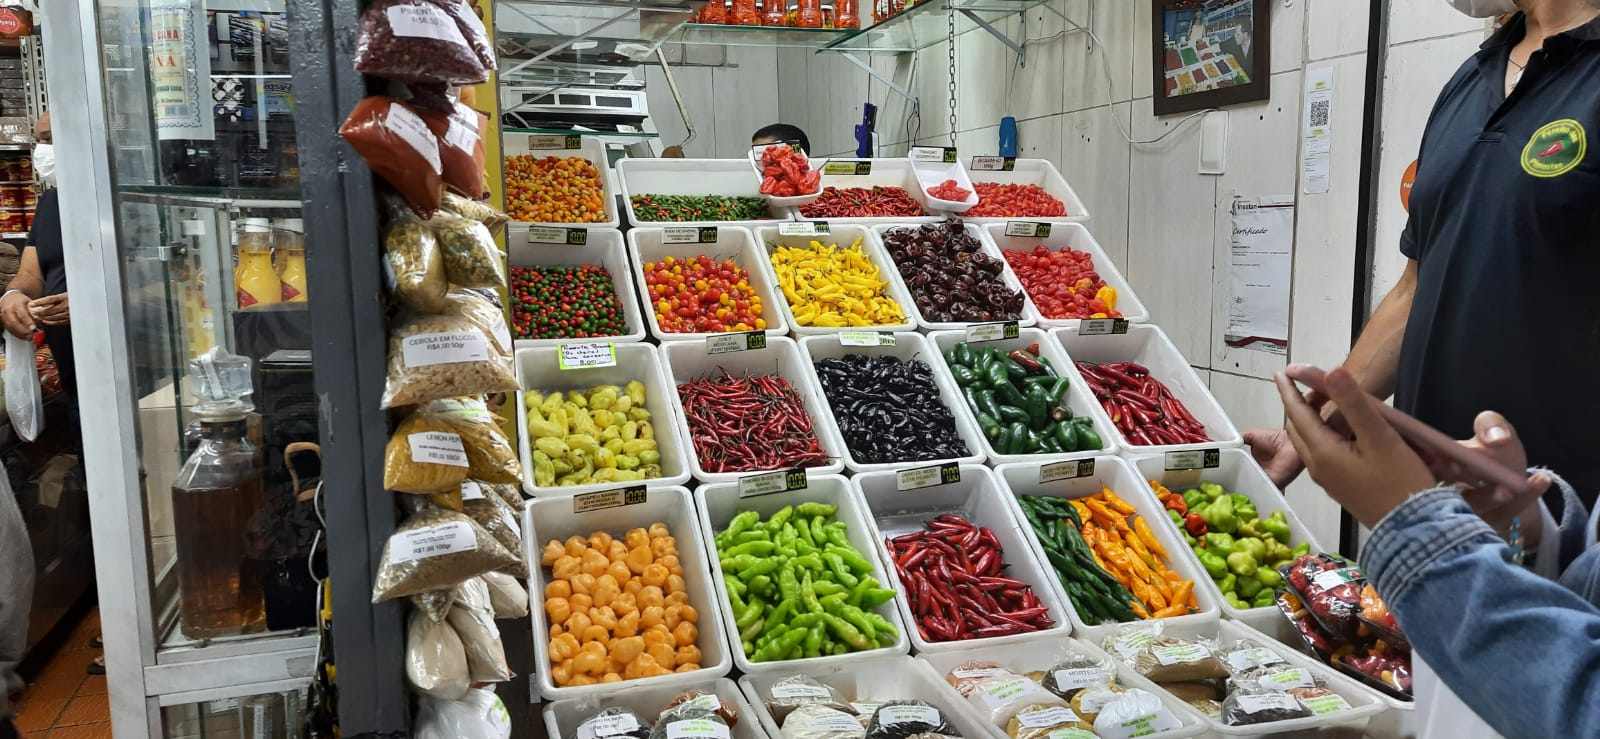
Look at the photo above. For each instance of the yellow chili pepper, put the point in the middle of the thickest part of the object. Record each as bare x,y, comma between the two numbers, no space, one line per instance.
833,287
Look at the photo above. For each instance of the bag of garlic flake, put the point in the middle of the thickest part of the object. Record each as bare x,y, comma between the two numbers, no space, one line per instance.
464,350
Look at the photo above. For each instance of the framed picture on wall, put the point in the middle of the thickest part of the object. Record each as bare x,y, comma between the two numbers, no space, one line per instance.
1210,53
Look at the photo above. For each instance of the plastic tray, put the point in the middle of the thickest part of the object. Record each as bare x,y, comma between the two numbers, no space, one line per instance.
1030,314
1077,237
685,361
729,177
872,680
789,202
590,148
562,718
1041,653
717,505
604,248
553,518
1237,473
1117,474
1081,403
907,346
842,234
1147,345
735,242
931,174
1364,702
885,173
1044,174
537,370
978,499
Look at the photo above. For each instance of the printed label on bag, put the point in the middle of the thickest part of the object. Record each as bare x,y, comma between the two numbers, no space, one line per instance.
581,356
1095,700
697,728
1180,653
604,499
424,20
866,338
446,347
1298,677
1028,229
831,722
1103,327
1071,470
461,135
1077,678
747,341
997,693
409,127
553,235
431,541
766,483
1195,459
501,334
1070,734
945,154
1150,723
689,235
1258,702
969,673
993,331
437,447
1332,703
800,690
604,726
847,168
1330,579
910,715
993,164
927,477
1132,644
1053,716
803,228
470,490
555,141
1245,659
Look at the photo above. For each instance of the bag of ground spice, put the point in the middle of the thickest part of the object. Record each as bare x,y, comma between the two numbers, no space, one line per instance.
425,455
399,146
434,549
460,147
490,455
415,41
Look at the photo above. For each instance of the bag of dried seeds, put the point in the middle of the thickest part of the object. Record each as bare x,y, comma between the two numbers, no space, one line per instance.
434,549
471,258
416,41
496,518
415,266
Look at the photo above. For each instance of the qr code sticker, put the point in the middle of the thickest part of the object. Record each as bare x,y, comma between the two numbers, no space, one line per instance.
1319,113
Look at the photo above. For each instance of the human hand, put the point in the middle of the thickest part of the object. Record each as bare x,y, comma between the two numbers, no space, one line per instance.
1275,454
15,316
52,310
1495,438
1370,470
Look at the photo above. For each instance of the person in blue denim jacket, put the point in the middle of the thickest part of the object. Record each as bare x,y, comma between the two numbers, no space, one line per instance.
1522,650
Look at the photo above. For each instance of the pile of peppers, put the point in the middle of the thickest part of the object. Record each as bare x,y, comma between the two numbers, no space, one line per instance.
1238,548
750,423
798,588
1144,410
1019,400
950,276
951,573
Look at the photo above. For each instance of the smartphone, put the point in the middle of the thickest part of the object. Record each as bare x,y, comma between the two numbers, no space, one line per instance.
1426,438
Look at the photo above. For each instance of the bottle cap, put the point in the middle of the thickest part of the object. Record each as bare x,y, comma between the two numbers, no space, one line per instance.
254,225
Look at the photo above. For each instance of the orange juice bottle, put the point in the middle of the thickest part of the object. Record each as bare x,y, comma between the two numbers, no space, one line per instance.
256,282
289,243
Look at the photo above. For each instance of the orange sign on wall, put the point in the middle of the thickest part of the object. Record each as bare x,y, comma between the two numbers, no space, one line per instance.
1406,181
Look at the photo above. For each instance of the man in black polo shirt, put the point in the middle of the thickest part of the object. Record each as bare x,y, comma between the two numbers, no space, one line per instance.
1498,308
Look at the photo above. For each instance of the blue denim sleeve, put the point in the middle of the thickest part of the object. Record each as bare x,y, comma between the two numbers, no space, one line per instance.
1470,613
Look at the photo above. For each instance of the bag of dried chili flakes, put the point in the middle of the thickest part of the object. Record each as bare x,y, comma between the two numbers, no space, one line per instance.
416,41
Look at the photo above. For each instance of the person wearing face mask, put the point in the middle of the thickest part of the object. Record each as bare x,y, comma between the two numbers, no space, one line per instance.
1497,301
37,297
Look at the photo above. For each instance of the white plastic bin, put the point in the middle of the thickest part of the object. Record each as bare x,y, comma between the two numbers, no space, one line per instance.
585,147
1081,402
562,718
685,361
1044,174
1365,703
1077,237
733,242
545,519
884,173
1147,345
908,346
727,177
1117,474
978,499
1035,654
870,680
769,238
1029,314
933,172
538,369
603,247
755,155
718,504
1237,473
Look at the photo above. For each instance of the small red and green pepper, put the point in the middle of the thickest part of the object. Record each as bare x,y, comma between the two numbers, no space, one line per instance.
863,202
564,302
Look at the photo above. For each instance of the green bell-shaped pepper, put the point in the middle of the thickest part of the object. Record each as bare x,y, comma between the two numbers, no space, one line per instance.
1247,587
1194,499
1256,548
1252,528
1216,566
1219,516
1277,525
1263,599
1301,549
1242,507
1270,578
1233,600
1242,564
1277,553
1221,545
1228,583
1212,490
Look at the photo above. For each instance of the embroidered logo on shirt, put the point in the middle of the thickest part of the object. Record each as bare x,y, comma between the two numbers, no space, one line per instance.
1555,149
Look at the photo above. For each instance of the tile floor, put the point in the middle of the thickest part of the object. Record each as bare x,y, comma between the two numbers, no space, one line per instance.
64,701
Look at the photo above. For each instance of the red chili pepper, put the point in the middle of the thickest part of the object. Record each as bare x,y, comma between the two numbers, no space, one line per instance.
1194,524
1177,503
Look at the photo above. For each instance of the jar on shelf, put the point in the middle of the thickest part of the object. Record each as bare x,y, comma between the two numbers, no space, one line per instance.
775,13
808,14
848,14
744,13
714,13
289,248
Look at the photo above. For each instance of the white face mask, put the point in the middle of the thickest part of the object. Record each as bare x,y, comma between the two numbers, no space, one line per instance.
44,164
1484,8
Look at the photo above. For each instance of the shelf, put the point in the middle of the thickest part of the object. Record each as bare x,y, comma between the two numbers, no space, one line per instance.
614,136
721,35
213,197
925,24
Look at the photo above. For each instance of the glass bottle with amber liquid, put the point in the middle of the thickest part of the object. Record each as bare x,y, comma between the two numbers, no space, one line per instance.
215,502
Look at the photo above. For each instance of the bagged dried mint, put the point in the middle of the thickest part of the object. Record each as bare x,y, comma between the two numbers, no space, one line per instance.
1042,722
820,721
471,258
700,700
449,354
492,219
507,595
1003,696
472,616
967,675
1076,672
613,722
436,662
1282,678
693,723
907,718
1134,713
414,41
1243,707
435,549
400,147
490,455
414,266
792,692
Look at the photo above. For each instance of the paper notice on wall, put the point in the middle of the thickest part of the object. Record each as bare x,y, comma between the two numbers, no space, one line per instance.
1260,252
1316,149
180,74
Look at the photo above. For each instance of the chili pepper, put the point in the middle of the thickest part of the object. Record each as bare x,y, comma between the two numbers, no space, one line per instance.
787,440
997,200
954,588
861,202
699,208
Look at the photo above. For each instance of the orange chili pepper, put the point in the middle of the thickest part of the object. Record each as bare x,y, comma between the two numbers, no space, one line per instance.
1147,536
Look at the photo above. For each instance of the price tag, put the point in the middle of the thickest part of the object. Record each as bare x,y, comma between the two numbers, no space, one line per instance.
927,477
553,235
767,483
1103,326
689,235
555,141
847,168
1030,229
993,331
584,356
993,164
803,228
946,154
866,338
604,499
1070,470
724,343
1197,459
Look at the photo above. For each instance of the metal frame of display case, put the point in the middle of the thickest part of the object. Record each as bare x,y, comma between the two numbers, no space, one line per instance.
348,338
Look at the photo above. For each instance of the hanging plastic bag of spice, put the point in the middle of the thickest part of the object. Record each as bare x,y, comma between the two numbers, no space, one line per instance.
460,147
414,41
415,266
435,549
471,258
398,145
464,350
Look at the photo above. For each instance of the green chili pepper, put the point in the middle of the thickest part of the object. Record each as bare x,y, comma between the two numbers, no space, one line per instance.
846,632
757,548
814,641
812,509
859,620
780,518
742,522
780,647
819,531
808,594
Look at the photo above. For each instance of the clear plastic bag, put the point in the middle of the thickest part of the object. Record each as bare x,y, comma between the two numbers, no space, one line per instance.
1246,706
1243,655
415,266
473,619
967,675
434,604
495,518
1002,697
1134,713
507,595
700,700
1042,722
691,723
819,721
474,29
24,400
425,455
471,258
435,549
1163,658
492,219
436,661
1282,678
460,132
479,715
613,722
416,41
904,719
399,146
457,352
490,455
1075,672
791,693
